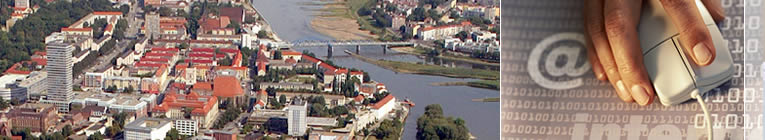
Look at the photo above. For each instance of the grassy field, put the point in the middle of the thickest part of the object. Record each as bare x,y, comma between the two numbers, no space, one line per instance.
424,51
406,67
488,84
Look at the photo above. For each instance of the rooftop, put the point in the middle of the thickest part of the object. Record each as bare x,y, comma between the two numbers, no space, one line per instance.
227,86
145,124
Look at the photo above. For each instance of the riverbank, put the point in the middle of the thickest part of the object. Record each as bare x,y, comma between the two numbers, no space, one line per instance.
425,69
338,20
266,26
487,84
423,52
494,99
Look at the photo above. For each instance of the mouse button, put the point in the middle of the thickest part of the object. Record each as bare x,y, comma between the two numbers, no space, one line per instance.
721,68
704,13
669,75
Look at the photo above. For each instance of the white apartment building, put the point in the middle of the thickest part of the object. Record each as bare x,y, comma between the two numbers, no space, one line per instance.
186,127
148,129
296,118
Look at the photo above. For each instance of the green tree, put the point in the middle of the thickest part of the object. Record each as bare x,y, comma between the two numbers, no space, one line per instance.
433,125
124,9
96,136
277,54
282,99
67,130
262,34
173,134
462,35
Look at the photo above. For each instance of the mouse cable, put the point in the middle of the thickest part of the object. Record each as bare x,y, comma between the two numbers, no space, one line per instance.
707,118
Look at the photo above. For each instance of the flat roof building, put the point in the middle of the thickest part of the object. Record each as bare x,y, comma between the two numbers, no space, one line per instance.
148,129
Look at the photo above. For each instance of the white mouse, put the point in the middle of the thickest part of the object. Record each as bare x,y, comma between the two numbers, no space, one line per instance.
674,75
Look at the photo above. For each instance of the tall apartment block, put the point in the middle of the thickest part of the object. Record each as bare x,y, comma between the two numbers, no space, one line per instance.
59,69
296,118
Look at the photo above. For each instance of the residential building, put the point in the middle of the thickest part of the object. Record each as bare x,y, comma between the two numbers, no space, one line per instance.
60,74
147,129
297,117
10,88
444,31
384,106
204,109
186,127
36,84
36,117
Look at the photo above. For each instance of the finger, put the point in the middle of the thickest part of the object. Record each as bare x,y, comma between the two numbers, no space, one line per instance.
694,35
715,9
621,18
593,15
596,67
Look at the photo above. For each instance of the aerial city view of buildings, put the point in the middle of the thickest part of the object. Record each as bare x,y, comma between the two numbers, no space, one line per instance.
181,69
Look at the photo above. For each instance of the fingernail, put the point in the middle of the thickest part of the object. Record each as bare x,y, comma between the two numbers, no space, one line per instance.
600,76
640,94
702,53
622,91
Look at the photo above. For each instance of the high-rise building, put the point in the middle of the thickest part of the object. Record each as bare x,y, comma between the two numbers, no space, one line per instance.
59,74
296,118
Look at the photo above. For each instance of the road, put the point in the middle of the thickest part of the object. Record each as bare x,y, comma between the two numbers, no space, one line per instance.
131,32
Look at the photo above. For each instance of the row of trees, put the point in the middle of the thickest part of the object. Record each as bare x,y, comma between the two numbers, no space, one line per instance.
26,134
231,113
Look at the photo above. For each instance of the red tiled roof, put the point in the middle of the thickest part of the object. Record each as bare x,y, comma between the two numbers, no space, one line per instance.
357,73
261,103
310,59
227,86
383,101
109,27
159,54
261,67
291,53
263,92
164,60
202,49
229,50
164,49
231,68
200,107
202,86
13,70
359,98
290,60
327,66
341,71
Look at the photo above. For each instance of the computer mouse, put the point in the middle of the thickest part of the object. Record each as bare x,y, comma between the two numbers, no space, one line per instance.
675,77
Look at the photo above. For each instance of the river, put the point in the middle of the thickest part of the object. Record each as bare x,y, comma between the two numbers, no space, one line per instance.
291,21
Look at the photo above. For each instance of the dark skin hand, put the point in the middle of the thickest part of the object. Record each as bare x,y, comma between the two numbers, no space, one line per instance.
614,49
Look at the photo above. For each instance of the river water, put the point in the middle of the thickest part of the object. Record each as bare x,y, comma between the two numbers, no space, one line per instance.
290,19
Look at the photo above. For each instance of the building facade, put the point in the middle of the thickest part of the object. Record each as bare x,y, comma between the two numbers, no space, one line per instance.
36,117
60,74
296,118
147,129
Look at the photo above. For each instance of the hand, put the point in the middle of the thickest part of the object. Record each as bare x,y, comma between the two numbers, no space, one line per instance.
614,49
